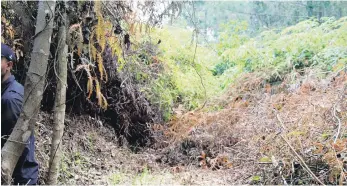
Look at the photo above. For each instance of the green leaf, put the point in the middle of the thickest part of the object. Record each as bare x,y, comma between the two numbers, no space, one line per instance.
325,135
265,159
256,178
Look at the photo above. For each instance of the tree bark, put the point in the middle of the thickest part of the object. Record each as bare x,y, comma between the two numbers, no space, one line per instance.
34,86
59,111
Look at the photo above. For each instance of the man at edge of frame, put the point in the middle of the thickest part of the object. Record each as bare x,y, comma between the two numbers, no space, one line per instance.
12,93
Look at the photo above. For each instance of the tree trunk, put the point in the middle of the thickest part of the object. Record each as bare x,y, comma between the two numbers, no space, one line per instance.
59,111
339,15
309,8
59,105
34,85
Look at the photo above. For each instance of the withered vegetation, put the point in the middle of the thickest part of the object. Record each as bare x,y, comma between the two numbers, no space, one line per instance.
293,132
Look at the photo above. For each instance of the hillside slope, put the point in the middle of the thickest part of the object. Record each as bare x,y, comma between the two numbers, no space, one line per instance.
279,115
255,132
238,144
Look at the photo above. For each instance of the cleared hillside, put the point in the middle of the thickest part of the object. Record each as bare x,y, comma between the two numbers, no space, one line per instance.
278,117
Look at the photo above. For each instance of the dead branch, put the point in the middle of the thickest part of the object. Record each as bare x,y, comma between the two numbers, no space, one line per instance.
302,161
337,118
339,123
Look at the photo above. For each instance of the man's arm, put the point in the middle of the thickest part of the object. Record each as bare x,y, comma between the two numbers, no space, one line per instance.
10,111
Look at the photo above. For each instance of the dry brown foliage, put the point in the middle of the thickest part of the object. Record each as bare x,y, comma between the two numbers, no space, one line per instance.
246,131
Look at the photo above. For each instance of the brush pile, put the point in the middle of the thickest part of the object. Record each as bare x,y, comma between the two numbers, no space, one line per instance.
289,133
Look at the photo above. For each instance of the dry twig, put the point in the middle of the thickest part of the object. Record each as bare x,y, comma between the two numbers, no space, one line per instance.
338,119
339,124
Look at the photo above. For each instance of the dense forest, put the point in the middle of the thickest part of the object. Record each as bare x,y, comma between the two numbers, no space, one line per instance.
180,92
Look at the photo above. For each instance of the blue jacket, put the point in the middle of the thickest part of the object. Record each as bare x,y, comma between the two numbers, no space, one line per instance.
12,93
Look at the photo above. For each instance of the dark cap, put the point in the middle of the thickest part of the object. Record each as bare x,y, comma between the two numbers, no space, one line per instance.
7,52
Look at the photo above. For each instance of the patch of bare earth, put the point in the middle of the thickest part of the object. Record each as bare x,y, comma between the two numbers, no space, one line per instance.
90,149
92,156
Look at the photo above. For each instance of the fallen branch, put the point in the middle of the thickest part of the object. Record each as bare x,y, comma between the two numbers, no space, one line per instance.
338,119
302,162
280,120
298,156
339,123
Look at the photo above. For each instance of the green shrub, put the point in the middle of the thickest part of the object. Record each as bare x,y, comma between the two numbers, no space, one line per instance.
272,53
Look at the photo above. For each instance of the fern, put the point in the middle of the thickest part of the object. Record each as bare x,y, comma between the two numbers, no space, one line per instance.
90,87
94,52
100,32
100,27
90,78
76,37
101,99
101,68
104,102
117,49
98,92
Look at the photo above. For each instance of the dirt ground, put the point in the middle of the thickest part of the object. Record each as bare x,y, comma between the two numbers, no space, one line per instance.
92,156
